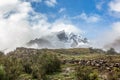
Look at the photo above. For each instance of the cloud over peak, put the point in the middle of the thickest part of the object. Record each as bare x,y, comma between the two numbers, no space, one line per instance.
19,23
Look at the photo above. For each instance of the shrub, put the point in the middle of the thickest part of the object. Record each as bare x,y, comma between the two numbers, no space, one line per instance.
86,73
49,63
111,51
35,66
1,53
91,50
93,76
13,68
43,64
114,74
2,73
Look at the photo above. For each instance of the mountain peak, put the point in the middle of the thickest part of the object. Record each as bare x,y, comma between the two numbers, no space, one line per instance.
59,39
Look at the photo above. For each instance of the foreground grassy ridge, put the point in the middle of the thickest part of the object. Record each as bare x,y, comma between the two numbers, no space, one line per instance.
59,64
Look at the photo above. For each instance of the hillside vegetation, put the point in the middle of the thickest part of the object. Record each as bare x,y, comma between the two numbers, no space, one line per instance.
60,64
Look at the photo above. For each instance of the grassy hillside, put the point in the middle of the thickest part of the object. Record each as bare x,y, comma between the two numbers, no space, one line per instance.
60,64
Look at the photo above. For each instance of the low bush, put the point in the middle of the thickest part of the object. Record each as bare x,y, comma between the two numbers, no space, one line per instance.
2,73
49,63
35,66
86,73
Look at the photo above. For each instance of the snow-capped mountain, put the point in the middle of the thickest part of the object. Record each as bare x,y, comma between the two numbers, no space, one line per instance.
58,40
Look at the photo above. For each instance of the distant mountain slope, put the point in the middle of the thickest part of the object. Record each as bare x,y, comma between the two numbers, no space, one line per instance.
26,52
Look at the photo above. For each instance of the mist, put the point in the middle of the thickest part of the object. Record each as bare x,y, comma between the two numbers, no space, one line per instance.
109,38
19,24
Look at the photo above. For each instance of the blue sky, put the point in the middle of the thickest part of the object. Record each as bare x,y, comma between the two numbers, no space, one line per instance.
73,9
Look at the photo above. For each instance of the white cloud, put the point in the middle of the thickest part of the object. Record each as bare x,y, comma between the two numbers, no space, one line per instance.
113,37
88,18
35,0
60,25
114,8
99,5
51,3
19,27
115,5
107,38
62,10
14,29
8,2
116,27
